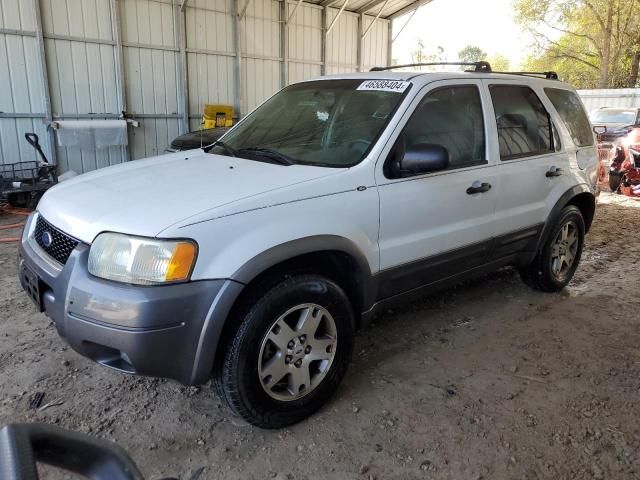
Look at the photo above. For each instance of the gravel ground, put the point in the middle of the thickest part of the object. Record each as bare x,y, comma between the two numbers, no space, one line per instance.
488,380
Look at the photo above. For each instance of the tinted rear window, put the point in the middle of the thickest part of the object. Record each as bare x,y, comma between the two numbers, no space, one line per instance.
524,126
570,109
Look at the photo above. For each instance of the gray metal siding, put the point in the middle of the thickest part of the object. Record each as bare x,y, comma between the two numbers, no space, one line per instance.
151,74
82,49
342,43
21,88
305,42
210,55
610,97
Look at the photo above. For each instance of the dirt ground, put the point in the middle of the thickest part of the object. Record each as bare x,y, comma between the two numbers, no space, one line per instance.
489,380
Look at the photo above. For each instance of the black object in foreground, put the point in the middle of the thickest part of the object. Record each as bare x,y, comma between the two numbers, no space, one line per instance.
24,445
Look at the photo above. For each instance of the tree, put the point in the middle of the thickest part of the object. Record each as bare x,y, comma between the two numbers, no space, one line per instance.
596,41
418,55
499,63
471,53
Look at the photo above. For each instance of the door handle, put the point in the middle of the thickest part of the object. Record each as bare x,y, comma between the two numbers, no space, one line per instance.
478,187
554,172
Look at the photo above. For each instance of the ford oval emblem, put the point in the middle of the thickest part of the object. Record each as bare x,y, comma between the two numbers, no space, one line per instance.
47,239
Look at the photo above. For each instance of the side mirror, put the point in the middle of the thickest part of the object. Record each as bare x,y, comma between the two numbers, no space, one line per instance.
599,129
424,158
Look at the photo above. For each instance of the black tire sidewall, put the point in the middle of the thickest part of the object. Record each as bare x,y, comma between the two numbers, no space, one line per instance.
569,213
615,179
241,365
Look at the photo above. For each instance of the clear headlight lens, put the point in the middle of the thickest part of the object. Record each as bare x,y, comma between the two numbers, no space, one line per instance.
141,261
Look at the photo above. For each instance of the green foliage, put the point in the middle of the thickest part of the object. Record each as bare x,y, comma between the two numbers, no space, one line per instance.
471,53
590,43
499,63
419,54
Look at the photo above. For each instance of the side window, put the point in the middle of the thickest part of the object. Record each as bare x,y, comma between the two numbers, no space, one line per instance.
450,117
570,109
524,126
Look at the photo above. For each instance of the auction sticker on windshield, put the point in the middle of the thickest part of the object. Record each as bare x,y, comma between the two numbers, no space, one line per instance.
384,85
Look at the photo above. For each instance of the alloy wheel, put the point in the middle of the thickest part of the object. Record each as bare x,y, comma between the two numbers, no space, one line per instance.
297,352
564,250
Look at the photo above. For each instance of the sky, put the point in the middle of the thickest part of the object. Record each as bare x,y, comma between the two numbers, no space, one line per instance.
454,24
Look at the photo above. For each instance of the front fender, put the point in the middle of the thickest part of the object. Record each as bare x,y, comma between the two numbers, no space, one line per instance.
240,246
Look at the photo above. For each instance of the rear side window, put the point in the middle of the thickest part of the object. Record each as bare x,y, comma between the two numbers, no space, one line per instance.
570,109
451,117
524,126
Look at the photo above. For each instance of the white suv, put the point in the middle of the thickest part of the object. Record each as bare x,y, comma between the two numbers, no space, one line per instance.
254,260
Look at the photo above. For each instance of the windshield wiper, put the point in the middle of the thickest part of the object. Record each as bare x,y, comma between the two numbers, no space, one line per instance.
274,155
229,150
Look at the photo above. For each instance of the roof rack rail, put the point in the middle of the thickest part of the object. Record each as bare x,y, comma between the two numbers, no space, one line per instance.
482,66
478,66
550,75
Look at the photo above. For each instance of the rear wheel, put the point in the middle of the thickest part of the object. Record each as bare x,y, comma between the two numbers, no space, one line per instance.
289,352
614,181
555,264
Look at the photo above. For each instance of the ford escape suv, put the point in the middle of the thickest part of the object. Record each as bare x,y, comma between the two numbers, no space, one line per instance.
254,260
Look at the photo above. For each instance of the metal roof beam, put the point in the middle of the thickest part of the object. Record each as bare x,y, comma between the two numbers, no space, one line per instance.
244,10
326,3
293,12
335,19
369,5
374,20
409,8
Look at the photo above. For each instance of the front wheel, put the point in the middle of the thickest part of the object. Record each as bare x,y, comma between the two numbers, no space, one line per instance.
289,352
555,264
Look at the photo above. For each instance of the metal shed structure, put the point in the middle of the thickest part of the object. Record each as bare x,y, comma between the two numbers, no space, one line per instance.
610,97
160,61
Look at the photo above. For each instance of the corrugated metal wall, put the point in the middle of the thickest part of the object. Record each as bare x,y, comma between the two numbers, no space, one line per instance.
210,55
342,43
610,97
80,48
305,42
260,40
151,74
375,44
22,105
159,63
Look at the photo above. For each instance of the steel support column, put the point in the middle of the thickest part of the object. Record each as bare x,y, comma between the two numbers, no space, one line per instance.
390,43
284,44
42,57
359,46
121,91
237,64
323,42
183,85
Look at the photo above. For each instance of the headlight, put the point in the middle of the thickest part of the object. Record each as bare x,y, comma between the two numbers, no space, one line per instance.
142,261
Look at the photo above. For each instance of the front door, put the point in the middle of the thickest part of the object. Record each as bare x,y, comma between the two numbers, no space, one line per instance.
438,224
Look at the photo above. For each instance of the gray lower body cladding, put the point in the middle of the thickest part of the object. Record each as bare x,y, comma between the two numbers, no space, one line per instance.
168,331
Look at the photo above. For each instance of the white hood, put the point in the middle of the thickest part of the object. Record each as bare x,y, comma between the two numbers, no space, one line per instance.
144,197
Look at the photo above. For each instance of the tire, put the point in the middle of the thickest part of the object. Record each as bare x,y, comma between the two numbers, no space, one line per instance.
543,273
260,345
614,181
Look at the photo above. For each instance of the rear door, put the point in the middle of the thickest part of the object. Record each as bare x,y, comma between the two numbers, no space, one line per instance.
530,162
431,225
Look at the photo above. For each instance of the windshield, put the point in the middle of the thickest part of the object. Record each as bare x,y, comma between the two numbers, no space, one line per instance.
329,123
626,117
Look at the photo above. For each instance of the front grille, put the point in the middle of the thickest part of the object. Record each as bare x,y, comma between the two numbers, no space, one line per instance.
60,246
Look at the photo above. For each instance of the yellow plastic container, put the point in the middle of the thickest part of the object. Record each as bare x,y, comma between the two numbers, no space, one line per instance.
217,116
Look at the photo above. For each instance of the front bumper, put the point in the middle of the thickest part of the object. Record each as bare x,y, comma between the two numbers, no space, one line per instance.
166,331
